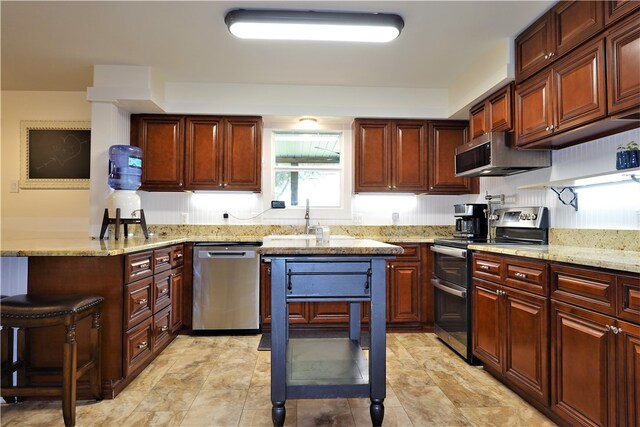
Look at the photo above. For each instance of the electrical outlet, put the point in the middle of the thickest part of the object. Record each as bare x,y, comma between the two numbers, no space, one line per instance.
14,186
185,217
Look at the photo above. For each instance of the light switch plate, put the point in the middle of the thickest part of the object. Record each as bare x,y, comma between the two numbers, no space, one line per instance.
14,186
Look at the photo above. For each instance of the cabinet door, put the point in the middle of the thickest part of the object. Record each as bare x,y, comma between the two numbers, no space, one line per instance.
500,110
532,48
616,9
580,88
329,312
583,389
628,298
138,301
623,65
242,154
526,360
203,156
444,137
161,290
487,338
372,155
161,329
137,345
176,299
534,109
297,311
629,374
161,138
403,299
477,121
409,157
576,21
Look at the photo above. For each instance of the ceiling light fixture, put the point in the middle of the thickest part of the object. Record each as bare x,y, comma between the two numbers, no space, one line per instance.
308,123
311,25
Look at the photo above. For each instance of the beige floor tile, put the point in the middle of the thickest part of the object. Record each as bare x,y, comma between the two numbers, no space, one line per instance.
394,416
324,412
167,398
429,406
217,407
162,418
262,418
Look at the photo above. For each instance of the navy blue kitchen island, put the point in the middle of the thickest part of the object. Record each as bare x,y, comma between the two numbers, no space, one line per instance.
352,270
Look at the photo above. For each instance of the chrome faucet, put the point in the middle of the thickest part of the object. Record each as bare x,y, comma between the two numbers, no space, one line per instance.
489,213
306,219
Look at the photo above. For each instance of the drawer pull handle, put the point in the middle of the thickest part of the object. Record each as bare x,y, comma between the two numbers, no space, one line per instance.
521,275
143,344
164,291
163,259
289,284
484,267
140,265
164,329
142,301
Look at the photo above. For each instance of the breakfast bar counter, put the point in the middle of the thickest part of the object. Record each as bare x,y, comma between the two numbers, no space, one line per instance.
337,269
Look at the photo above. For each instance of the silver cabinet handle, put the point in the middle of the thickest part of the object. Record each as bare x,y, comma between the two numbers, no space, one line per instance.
520,275
164,329
164,291
483,267
613,329
143,344
142,301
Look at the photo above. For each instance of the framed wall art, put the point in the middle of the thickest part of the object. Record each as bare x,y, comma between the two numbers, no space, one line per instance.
55,154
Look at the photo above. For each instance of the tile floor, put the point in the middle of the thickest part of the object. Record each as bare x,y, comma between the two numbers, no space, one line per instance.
224,381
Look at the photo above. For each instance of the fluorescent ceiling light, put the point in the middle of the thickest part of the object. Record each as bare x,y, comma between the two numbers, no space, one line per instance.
310,25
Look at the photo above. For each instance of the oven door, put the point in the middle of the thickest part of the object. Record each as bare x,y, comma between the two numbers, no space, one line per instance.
450,265
451,315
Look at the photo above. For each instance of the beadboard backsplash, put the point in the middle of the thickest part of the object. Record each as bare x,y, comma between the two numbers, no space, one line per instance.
612,206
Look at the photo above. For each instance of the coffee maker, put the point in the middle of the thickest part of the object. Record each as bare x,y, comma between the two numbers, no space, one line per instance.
471,221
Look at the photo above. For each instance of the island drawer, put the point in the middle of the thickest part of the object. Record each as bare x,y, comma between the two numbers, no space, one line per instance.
587,288
311,280
137,266
527,275
162,259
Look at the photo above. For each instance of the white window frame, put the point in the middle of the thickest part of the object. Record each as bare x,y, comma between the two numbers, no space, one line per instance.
297,212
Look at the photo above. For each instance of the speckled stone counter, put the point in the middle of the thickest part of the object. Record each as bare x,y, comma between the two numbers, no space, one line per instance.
282,245
595,257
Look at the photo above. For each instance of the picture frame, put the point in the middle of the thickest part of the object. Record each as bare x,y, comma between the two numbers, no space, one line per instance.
55,154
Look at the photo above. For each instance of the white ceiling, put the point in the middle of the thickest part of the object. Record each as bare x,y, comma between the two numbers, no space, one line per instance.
53,45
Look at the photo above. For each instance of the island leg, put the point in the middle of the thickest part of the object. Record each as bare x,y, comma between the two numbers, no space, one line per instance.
376,410
278,413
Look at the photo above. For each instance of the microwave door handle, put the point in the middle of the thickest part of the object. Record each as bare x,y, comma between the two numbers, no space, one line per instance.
444,288
458,253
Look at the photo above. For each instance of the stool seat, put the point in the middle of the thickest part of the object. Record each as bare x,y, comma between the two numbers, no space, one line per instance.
39,306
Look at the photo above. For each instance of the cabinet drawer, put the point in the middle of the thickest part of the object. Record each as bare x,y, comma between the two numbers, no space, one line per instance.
586,288
137,266
137,345
177,256
138,302
487,267
527,275
161,290
161,329
629,298
411,252
317,280
161,259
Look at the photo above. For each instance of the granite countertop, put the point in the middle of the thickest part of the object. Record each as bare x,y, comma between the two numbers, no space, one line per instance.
336,245
594,257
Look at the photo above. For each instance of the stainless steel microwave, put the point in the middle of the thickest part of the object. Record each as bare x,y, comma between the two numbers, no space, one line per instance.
491,155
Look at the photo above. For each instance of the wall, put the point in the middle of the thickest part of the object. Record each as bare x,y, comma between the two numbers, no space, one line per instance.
33,210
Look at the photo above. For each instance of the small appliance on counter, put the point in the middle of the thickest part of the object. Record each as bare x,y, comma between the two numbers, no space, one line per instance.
125,172
452,264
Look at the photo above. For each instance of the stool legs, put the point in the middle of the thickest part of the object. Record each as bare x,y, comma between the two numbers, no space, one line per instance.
7,360
95,376
70,362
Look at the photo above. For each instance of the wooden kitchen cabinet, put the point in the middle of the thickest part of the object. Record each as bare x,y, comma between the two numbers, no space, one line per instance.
298,312
570,94
161,138
177,291
628,379
199,152
493,114
623,65
565,26
614,9
404,286
390,156
510,322
444,137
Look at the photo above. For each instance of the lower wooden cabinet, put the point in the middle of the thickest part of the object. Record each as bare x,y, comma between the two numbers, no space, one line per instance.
628,363
138,346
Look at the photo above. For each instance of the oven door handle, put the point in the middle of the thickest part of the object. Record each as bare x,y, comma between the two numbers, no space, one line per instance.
454,252
448,289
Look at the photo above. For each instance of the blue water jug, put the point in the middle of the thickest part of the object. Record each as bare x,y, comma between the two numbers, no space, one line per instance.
125,167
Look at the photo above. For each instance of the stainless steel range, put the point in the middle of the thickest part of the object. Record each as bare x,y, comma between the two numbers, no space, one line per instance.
452,267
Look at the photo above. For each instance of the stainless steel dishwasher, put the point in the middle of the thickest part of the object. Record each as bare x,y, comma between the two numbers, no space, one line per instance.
226,286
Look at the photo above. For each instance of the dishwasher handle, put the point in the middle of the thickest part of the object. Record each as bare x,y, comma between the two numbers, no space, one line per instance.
227,254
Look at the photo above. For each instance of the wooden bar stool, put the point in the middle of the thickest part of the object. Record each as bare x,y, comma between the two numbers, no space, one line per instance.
32,311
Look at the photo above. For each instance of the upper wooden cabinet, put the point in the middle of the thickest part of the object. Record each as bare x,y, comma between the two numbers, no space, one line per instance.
570,94
614,9
198,152
562,28
493,114
444,137
390,156
623,65
161,138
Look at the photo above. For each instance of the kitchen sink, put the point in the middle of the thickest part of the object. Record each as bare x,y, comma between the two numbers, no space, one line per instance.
304,236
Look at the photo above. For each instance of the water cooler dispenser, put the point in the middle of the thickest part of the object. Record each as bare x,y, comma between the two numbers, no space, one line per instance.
125,173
